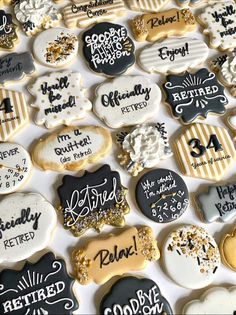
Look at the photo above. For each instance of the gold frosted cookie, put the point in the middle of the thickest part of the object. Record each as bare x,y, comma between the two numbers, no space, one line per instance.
228,250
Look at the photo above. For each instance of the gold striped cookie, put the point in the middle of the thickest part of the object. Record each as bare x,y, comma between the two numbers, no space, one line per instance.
82,13
13,113
146,5
205,151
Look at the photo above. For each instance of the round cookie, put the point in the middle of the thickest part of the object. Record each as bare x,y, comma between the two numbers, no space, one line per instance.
55,47
15,167
228,250
162,195
108,49
131,295
191,257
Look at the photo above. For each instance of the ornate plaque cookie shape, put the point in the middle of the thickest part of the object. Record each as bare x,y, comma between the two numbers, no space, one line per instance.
217,300
86,12
162,195
113,255
228,250
219,203
13,113
108,49
15,167
126,101
8,34
92,200
173,55
14,67
35,15
136,296
26,225
192,95
146,5
56,47
152,27
60,98
44,287
205,151
72,148
219,22
143,147
191,257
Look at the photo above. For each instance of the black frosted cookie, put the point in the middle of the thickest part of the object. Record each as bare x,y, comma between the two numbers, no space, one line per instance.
131,295
7,31
162,195
108,49
41,288
192,95
92,200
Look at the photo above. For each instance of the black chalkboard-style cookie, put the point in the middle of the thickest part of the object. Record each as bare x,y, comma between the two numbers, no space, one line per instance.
194,95
131,295
7,31
41,288
93,200
108,49
162,195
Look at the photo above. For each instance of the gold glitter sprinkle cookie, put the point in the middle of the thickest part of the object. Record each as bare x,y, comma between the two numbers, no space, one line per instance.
8,36
113,255
228,250
191,257
154,26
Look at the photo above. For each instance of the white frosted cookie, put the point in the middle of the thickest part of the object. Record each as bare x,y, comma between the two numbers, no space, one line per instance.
191,257
35,15
127,101
219,21
55,47
15,167
82,13
217,300
173,55
26,225
60,98
146,5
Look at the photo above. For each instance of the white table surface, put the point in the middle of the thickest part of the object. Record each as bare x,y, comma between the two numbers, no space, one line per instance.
46,183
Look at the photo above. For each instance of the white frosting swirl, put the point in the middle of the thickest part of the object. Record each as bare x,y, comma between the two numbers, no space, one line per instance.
228,70
145,145
34,11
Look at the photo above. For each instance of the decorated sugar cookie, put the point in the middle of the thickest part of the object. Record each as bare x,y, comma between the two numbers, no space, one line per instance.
34,15
5,2
143,147
26,225
40,288
217,300
83,13
173,55
219,21
111,255
127,101
146,5
108,49
191,257
228,250
190,2
72,148
218,203
15,167
60,98
205,151
14,67
155,26
162,195
13,113
225,66
104,200
194,95
8,35
55,47
231,119
125,296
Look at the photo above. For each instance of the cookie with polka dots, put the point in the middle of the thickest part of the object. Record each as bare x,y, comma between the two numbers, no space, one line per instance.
60,98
